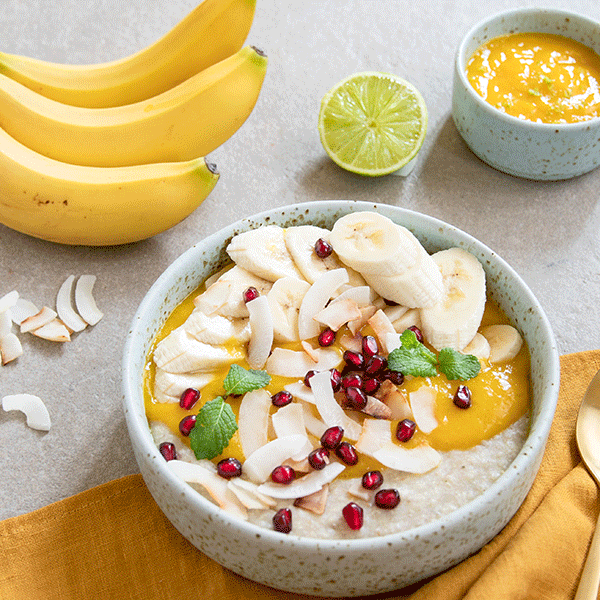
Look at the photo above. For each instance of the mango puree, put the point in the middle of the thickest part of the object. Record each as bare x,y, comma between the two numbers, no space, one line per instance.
500,397
538,77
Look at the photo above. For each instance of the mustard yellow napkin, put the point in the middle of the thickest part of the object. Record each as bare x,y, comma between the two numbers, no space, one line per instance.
112,542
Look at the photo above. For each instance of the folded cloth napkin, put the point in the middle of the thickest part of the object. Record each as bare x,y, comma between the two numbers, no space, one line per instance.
112,542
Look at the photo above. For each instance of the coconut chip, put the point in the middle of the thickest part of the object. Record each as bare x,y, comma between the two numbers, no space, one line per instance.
64,307
41,318
312,353
261,326
422,403
336,314
35,411
22,310
356,489
376,408
253,421
289,420
395,399
247,493
5,323
294,363
419,459
8,300
382,326
314,502
366,312
84,300
10,348
54,331
303,486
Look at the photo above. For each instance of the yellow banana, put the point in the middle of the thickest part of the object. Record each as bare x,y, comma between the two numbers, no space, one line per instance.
210,33
95,206
187,121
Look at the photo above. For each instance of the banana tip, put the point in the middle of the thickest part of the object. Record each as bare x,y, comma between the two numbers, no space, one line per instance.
212,167
259,51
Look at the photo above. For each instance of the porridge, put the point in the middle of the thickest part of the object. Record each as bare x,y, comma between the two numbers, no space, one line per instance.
339,383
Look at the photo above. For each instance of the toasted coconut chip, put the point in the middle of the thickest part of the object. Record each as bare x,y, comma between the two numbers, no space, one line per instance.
377,409
84,300
312,353
300,466
5,323
362,295
10,348
54,331
253,420
419,459
331,412
393,313
23,309
411,318
261,462
313,425
289,420
215,485
382,326
315,502
351,342
41,318
8,300
32,407
395,399
315,299
294,363
336,314
366,312
422,403
300,391
374,434
261,326
357,490
305,485
65,309
248,494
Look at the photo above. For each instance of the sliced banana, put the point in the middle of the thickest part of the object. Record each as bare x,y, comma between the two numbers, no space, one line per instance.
216,329
285,298
172,385
504,340
373,244
454,320
479,347
262,251
300,242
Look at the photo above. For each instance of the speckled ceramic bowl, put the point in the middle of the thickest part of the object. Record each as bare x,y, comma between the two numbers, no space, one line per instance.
339,567
538,151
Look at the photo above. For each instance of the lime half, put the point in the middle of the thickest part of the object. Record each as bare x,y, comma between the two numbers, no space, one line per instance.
372,123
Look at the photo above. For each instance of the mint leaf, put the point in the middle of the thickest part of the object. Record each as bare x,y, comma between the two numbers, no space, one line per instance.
412,358
215,426
455,365
240,380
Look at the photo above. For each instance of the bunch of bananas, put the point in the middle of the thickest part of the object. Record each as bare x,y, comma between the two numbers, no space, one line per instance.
114,153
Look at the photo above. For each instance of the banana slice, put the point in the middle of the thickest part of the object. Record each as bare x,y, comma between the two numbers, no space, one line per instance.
504,340
300,242
216,329
418,286
479,347
285,298
170,386
263,252
373,244
454,320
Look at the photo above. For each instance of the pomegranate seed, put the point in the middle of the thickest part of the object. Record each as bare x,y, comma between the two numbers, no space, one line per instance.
167,449
357,399
336,380
229,467
353,514
318,459
326,337
462,398
371,480
371,385
282,398
187,424
405,430
282,520
323,248
346,452
352,380
251,294
387,499
307,377
376,364
283,474
418,333
332,437
394,376
188,398
354,359
369,345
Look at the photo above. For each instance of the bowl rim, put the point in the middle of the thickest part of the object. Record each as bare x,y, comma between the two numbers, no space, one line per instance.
137,424
461,59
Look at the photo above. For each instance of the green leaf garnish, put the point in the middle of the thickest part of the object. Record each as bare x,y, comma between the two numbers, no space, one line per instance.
240,380
215,426
455,365
412,358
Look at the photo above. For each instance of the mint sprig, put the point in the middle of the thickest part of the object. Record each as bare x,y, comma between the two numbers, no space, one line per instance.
240,380
457,366
214,428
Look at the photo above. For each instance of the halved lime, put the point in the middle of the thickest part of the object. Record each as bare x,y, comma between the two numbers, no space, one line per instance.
372,123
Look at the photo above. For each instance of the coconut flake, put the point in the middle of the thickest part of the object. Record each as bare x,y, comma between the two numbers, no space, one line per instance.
315,502
336,314
395,399
356,489
10,348
65,309
362,295
41,318
419,459
22,310
312,352
351,342
303,486
5,323
313,425
8,300
84,300
54,331
253,420
374,434
295,363
289,420
300,391
382,326
422,403
366,312
32,407
248,494
377,409
261,326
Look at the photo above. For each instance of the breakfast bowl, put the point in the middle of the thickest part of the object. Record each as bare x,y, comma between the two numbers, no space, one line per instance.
354,565
517,144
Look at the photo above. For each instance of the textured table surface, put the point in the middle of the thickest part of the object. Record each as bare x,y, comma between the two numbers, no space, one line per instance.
549,232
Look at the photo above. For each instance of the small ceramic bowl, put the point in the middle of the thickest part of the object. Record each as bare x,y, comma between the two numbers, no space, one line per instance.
527,149
344,567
